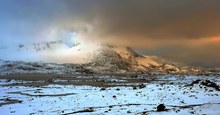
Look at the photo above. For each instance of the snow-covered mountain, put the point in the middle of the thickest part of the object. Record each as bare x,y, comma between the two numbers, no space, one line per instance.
115,59
106,59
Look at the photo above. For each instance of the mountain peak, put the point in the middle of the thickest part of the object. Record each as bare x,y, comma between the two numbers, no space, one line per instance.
112,59
125,59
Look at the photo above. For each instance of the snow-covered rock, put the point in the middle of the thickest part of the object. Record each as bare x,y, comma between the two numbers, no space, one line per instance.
106,59
21,67
124,59
180,95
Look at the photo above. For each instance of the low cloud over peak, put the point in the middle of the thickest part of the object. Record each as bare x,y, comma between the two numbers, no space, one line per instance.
189,26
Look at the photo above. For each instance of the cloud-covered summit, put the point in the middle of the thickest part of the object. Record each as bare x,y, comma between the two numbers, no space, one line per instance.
183,31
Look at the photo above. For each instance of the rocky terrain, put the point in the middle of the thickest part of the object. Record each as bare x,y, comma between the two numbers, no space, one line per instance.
106,60
125,60
109,94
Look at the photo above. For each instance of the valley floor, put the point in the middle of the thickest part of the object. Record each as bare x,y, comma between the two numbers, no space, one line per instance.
109,94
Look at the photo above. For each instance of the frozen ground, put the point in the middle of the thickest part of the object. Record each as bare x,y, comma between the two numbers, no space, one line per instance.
113,95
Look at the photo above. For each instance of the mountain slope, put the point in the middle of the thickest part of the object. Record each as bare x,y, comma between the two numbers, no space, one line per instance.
110,59
106,59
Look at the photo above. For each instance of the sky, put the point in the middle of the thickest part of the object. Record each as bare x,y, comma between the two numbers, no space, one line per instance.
186,31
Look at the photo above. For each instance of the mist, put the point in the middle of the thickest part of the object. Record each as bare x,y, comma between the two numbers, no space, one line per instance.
184,31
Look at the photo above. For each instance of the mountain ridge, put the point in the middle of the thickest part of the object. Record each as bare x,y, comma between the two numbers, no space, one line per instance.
125,59
105,60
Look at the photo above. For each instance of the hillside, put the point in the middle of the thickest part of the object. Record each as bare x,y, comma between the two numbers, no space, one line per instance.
124,59
106,59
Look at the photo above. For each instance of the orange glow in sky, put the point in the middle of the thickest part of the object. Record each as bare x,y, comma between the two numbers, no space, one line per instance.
214,39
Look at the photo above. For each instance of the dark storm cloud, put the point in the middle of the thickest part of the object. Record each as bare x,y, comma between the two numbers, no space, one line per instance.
155,19
151,19
203,56
136,23
164,19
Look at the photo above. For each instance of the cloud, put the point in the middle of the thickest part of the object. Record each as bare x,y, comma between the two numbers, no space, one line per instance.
157,19
141,24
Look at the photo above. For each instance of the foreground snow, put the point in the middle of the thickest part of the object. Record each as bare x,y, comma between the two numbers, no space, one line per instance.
176,92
